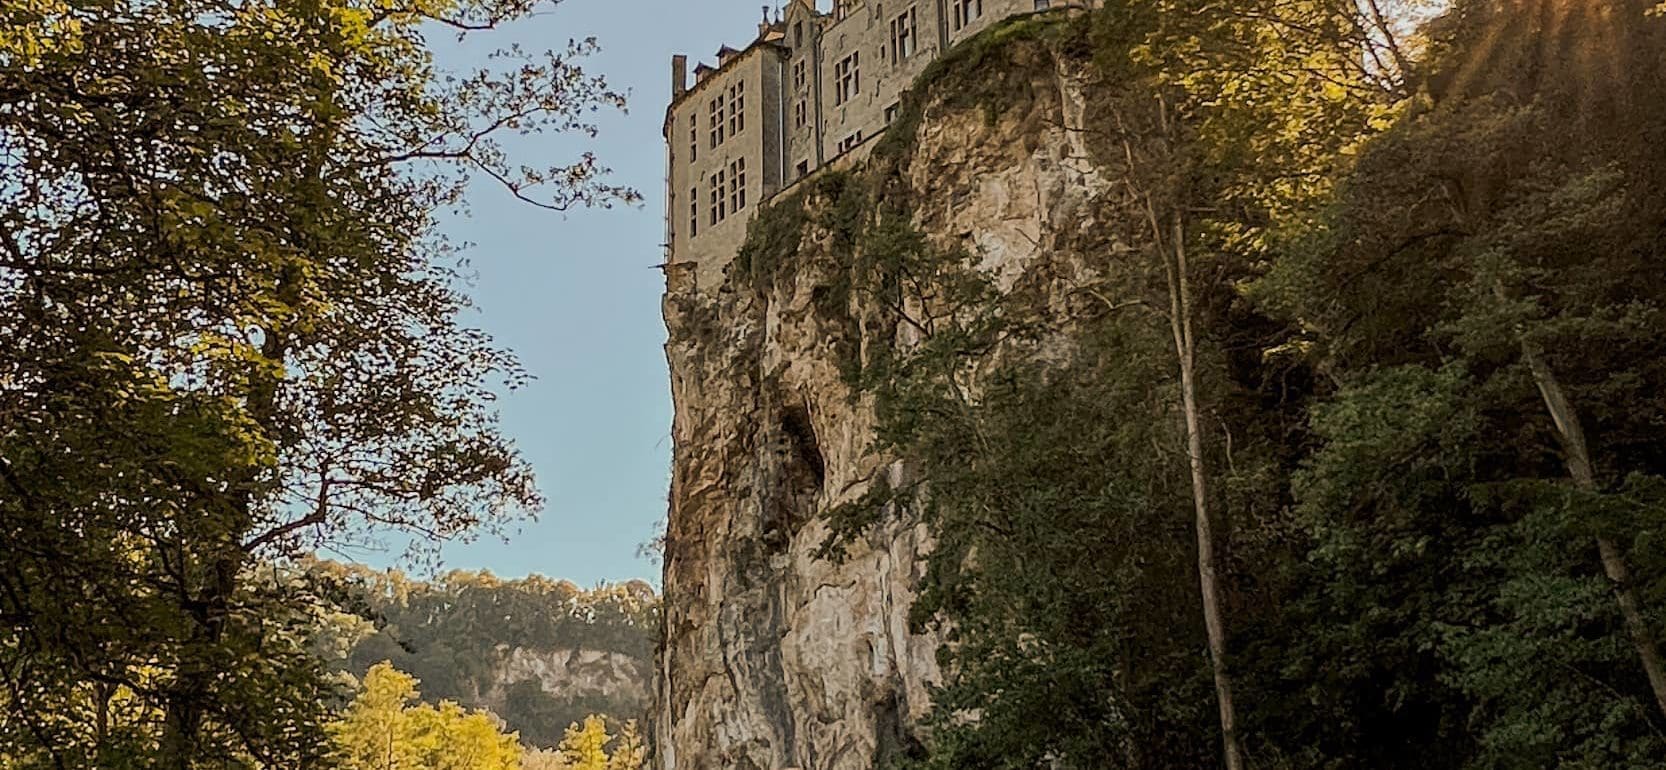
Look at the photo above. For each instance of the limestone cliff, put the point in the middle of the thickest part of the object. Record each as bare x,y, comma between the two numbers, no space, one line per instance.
773,658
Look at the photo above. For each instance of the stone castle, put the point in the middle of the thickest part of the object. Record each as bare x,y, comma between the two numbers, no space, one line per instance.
813,90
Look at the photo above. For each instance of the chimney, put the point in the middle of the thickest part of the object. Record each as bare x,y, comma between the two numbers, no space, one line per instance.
763,26
679,75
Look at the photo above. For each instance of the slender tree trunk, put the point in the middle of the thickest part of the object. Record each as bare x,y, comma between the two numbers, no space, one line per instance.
223,557
1185,350
1578,459
1180,322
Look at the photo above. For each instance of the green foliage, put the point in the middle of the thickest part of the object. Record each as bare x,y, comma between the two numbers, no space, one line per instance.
233,332
1449,540
456,634
1411,578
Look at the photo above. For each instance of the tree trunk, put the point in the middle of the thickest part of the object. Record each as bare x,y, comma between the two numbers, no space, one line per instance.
1578,458
1180,322
223,556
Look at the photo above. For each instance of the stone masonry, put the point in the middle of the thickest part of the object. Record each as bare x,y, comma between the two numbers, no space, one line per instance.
811,89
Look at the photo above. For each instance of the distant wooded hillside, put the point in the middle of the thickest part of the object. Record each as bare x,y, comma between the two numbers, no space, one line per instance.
540,653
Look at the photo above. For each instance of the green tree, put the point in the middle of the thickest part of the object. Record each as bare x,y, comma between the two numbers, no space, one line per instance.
1479,266
233,331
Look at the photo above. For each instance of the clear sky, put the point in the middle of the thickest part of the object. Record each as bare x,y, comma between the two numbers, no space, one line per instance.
576,296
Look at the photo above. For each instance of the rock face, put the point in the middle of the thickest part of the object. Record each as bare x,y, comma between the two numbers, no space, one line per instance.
573,674
772,657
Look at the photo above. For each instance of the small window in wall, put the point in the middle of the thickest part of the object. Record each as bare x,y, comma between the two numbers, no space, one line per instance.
737,185
904,35
715,120
1042,5
803,169
850,142
847,78
891,113
693,137
801,76
964,12
737,108
798,34
693,211
801,113
719,204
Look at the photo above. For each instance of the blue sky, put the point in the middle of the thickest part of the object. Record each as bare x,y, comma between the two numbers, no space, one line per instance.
576,296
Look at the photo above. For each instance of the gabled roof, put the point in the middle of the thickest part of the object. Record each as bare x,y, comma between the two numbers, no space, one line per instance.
704,72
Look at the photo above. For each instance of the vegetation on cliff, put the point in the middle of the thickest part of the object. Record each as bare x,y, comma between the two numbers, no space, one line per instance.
1426,344
459,634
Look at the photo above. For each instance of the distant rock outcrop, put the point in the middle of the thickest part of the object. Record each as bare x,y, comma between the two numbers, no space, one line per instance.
542,654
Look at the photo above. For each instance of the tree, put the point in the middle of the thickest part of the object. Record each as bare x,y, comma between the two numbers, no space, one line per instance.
375,733
233,330
585,747
1250,108
382,731
1475,241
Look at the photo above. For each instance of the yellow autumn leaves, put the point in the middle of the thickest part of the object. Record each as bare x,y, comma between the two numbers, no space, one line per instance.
383,730
30,29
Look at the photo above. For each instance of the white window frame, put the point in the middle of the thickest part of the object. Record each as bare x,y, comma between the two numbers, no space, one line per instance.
847,78
905,38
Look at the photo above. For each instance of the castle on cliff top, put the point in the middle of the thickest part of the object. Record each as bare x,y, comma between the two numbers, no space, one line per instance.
813,90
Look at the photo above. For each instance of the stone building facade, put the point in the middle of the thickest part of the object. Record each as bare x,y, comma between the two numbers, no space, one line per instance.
813,89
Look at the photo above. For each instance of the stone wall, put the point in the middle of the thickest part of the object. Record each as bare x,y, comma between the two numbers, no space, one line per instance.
780,151
694,160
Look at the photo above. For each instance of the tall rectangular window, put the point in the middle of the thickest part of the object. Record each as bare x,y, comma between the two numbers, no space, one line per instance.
801,75
847,78
904,35
801,113
693,211
737,185
693,137
715,120
719,208
737,108
965,12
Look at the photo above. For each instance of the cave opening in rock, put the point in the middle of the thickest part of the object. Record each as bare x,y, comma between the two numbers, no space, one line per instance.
803,472
801,438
